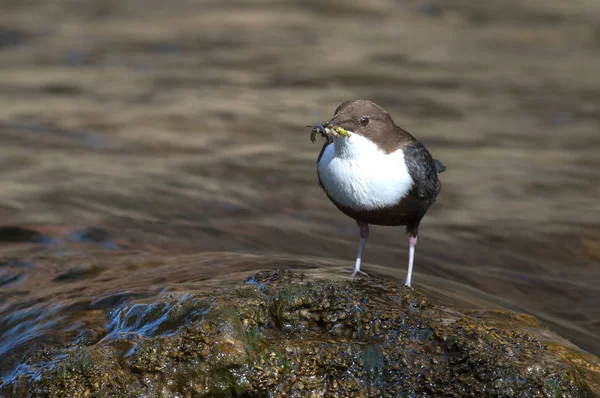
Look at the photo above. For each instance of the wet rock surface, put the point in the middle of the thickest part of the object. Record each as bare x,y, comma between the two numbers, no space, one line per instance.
132,133
282,334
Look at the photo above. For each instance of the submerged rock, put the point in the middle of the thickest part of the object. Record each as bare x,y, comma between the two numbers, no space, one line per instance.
281,336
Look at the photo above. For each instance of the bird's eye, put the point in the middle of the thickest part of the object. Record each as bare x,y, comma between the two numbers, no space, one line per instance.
364,120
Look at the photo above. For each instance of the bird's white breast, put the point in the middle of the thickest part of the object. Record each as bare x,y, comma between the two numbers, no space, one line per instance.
357,174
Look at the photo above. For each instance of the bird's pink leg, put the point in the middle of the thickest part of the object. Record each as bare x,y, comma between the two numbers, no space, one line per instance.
364,233
412,242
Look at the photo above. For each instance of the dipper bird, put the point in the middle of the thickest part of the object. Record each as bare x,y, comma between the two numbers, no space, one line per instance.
375,172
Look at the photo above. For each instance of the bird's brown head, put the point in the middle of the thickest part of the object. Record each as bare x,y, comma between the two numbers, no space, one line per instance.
365,118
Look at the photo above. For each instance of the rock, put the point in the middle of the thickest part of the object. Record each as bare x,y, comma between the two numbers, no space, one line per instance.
280,335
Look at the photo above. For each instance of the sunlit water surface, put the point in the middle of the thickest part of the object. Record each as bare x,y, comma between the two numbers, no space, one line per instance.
147,149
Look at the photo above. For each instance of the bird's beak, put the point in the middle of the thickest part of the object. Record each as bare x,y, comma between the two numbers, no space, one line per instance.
334,130
327,129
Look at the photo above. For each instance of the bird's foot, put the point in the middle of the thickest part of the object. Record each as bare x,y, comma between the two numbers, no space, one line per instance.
355,272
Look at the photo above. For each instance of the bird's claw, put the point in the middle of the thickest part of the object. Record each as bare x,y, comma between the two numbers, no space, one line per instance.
359,272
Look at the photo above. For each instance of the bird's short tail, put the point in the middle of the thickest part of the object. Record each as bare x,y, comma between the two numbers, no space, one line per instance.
439,166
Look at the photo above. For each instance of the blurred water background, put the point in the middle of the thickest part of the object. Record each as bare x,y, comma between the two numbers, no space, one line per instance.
150,146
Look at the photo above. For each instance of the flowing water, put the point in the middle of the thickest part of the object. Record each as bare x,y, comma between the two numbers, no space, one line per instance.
147,148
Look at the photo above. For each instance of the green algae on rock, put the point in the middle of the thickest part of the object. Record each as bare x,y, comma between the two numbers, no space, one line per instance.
281,335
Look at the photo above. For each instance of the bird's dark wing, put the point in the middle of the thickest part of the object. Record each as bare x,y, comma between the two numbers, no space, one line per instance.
422,169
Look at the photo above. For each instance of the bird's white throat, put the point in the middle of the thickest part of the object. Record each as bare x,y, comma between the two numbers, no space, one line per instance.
357,174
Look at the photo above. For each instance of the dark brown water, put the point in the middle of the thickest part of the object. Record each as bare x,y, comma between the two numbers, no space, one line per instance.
151,148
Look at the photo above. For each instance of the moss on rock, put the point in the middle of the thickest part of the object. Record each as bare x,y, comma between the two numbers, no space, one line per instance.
282,336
